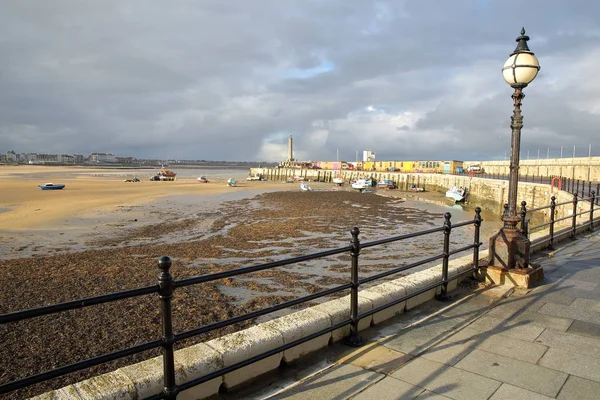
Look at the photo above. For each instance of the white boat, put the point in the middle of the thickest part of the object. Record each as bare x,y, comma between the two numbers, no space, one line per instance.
361,184
338,180
231,182
458,194
305,188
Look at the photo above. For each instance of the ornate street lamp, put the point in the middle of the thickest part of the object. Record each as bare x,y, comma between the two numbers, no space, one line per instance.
510,248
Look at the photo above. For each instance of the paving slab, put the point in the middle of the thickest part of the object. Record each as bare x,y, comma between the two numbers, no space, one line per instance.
585,328
543,320
516,329
390,388
421,337
462,343
427,395
445,380
570,342
572,363
377,358
579,389
587,305
510,392
339,382
572,311
528,376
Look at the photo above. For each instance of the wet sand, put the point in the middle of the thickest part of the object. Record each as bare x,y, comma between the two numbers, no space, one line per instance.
111,234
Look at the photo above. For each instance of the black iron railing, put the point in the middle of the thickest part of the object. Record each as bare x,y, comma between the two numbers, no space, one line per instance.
167,285
592,200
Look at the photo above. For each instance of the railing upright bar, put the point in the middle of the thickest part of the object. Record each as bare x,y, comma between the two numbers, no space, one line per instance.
443,296
592,201
552,214
597,191
476,242
574,224
577,188
166,287
524,224
354,339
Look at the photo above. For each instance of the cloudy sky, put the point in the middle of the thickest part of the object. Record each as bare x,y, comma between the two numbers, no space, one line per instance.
232,79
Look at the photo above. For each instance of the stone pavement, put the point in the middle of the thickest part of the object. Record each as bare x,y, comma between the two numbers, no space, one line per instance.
494,343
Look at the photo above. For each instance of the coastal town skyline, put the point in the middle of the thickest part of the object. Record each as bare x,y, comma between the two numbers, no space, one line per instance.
411,80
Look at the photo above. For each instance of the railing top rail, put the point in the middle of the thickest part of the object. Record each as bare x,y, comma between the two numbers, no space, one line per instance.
71,305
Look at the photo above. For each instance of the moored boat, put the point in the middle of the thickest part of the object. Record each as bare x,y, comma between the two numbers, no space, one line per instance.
231,182
386,184
202,179
305,188
416,188
361,184
52,186
164,175
338,180
458,194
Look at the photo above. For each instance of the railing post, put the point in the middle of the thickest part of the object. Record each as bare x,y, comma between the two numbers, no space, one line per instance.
524,224
443,296
597,191
476,242
552,213
592,201
577,189
166,287
574,224
354,339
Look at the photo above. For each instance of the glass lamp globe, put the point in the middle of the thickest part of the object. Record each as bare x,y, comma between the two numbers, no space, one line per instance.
522,66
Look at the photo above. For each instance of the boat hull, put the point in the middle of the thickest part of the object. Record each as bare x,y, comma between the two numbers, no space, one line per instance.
54,187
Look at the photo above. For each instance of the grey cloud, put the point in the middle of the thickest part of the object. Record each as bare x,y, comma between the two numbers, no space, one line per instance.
121,76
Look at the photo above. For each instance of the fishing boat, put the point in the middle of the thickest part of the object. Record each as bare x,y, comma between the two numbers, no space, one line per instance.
338,180
202,179
361,184
231,182
305,188
416,188
386,184
164,175
458,194
52,186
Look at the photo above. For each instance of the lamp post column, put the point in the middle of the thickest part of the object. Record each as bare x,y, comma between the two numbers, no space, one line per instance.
515,149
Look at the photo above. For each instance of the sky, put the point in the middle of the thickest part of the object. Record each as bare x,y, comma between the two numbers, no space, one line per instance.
231,80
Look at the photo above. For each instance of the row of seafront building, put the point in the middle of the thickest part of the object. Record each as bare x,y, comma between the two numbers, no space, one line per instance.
585,168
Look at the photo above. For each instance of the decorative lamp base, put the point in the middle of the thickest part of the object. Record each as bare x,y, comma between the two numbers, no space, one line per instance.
509,249
522,277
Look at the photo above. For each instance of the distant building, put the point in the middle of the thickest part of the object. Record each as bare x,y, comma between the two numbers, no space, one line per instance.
368,156
102,158
11,157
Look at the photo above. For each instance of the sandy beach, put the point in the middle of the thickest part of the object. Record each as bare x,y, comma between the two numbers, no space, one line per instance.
101,235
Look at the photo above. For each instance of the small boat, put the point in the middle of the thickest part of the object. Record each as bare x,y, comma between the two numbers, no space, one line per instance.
305,188
386,184
338,180
299,179
459,194
256,177
361,184
134,179
52,186
416,188
231,182
164,175
202,179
